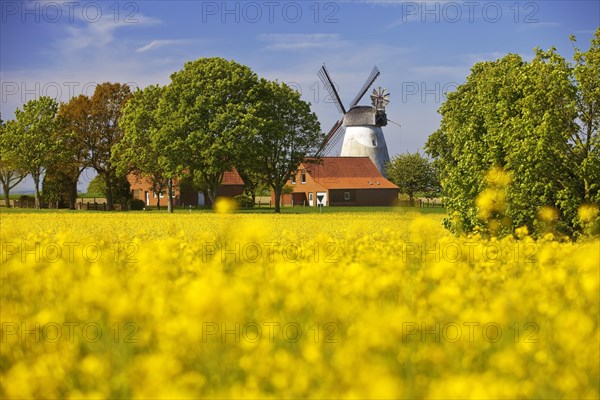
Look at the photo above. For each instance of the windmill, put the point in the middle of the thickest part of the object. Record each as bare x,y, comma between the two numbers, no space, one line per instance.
360,125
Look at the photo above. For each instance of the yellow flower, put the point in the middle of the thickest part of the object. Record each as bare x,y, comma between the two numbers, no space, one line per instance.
588,212
225,205
548,214
522,232
497,177
311,305
490,201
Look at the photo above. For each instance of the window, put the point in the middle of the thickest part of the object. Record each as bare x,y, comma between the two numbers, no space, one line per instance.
293,179
310,198
303,178
162,195
346,196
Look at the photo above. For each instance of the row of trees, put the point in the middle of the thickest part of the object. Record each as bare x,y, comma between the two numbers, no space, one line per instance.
537,121
215,114
57,142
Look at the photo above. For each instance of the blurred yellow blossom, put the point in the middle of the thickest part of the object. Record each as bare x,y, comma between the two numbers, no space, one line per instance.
332,305
548,214
225,205
588,212
497,177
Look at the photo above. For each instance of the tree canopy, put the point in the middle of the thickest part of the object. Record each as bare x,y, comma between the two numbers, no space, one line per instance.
283,132
140,152
201,118
537,122
10,173
31,143
413,173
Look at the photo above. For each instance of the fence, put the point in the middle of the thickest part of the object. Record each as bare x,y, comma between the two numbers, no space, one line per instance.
82,205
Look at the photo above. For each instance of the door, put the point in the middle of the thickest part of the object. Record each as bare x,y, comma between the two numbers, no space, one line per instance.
147,198
321,199
200,198
310,200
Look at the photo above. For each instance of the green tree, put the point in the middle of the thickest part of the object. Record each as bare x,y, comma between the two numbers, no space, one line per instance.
283,131
521,117
140,151
105,108
586,141
201,118
34,143
97,186
413,173
252,180
10,174
56,188
74,127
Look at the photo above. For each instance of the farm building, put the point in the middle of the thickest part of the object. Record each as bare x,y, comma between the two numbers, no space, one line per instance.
340,181
232,185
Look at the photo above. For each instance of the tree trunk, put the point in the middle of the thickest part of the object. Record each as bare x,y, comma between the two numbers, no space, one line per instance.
212,194
157,201
411,197
36,182
170,194
277,190
109,193
73,195
6,189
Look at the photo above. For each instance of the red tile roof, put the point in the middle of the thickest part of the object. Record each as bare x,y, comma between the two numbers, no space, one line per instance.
229,178
232,178
347,173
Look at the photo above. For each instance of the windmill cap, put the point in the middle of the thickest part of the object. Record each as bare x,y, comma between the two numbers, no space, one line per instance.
362,116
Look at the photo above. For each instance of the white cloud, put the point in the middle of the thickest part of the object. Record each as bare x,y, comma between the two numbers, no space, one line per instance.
296,41
155,44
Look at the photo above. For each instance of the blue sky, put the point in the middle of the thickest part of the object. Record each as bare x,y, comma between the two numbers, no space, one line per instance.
422,49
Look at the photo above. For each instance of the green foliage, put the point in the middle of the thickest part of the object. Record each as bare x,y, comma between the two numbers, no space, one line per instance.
56,189
31,142
10,174
103,113
122,192
413,173
137,204
26,200
97,186
283,131
140,151
521,117
201,114
244,201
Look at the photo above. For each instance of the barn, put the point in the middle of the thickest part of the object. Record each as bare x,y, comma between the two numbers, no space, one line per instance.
232,185
340,181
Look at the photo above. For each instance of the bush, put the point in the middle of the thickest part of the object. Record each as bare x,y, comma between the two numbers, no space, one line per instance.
137,204
244,201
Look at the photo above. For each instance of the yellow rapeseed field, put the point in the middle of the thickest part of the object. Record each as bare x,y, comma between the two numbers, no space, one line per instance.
357,305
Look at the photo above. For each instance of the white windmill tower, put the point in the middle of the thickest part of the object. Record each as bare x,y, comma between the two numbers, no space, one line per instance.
361,124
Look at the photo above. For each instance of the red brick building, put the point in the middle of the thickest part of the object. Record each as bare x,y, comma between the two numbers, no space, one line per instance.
340,181
232,185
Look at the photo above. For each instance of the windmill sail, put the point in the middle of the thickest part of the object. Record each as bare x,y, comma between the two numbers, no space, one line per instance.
374,75
332,132
335,138
328,83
